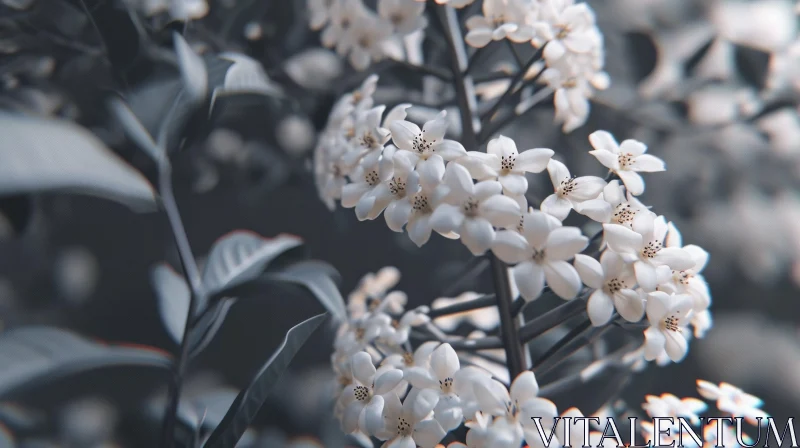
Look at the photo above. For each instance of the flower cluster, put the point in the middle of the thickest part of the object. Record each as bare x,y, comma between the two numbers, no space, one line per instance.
571,43
413,397
362,34
424,183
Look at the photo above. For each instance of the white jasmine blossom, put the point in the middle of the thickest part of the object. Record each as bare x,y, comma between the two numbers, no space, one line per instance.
569,190
668,405
426,145
668,316
503,162
404,16
541,252
566,27
613,281
732,400
407,424
363,396
643,246
690,281
626,160
501,19
471,210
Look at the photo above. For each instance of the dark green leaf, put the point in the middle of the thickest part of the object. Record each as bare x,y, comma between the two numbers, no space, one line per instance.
173,297
193,70
134,128
33,356
249,401
41,154
317,277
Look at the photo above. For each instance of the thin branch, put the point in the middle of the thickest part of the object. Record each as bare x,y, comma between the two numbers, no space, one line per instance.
474,267
509,324
551,319
484,301
489,342
568,346
486,118
425,70
464,104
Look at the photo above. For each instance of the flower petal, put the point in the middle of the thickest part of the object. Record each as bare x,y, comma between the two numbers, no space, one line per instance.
563,279
502,146
397,214
621,239
419,229
558,171
646,276
564,242
590,271
428,433
510,246
596,209
529,278
387,381
633,181
654,342
447,218
600,308
492,396
404,133
533,160
524,387
477,234
648,164
444,362
629,305
449,149
604,141
514,184
658,305
501,211
434,130
675,345
607,159
458,179
556,206
633,147
677,259
363,369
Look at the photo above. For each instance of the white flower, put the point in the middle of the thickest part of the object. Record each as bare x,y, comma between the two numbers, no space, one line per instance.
501,19
425,192
613,281
365,40
366,178
483,318
690,281
624,206
569,190
320,12
355,335
471,210
404,16
502,161
515,410
566,27
732,400
668,405
452,384
398,335
572,92
626,160
668,315
428,144
406,424
370,294
343,15
363,396
643,246
542,251
454,3
405,361
701,322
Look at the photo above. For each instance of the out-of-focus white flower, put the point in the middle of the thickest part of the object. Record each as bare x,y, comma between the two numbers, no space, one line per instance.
320,12
668,405
397,335
541,252
668,316
569,190
626,160
767,25
407,360
733,400
454,3
367,177
643,246
566,27
483,318
471,210
701,322
404,16
365,40
363,396
613,281
501,19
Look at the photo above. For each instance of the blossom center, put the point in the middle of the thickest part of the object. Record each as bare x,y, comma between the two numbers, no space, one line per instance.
421,204
403,427
446,385
362,393
408,359
521,225
538,255
397,187
507,162
682,277
470,208
368,140
570,83
672,322
625,160
421,145
651,249
397,18
371,178
623,214
512,409
567,186
615,285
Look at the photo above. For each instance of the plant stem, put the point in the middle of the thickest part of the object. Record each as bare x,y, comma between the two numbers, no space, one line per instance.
424,70
474,304
511,87
509,324
458,65
551,319
192,274
473,268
